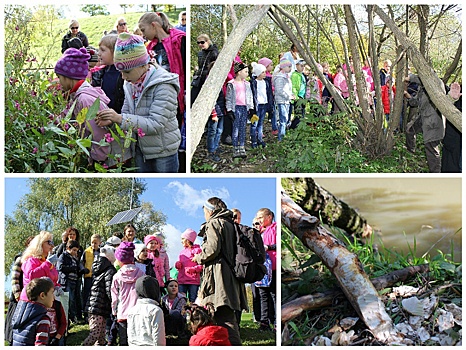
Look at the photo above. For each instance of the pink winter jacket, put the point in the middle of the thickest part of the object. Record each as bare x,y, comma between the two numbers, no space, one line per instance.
123,290
269,236
190,272
172,45
37,268
159,267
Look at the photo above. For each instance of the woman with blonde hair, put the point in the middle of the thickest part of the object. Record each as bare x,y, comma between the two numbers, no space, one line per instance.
208,53
37,261
121,26
167,46
73,33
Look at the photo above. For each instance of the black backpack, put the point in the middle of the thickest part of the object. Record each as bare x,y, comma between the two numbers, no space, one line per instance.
249,256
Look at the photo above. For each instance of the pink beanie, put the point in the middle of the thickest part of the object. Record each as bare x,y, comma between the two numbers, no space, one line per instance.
130,52
73,63
265,61
189,234
149,238
125,252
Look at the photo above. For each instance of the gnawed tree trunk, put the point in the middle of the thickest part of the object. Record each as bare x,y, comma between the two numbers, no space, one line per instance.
207,97
317,201
430,80
317,301
343,264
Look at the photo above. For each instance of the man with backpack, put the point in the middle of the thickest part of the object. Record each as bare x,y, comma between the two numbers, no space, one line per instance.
219,284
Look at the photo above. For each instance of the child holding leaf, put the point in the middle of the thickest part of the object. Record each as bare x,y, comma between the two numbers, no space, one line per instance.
84,103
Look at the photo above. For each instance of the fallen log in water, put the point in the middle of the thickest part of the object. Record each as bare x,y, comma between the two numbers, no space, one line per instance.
317,301
343,264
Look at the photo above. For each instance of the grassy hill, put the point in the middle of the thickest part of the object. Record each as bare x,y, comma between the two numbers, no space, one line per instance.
48,47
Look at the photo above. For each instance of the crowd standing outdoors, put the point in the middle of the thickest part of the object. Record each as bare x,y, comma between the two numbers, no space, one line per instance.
140,81
285,93
121,286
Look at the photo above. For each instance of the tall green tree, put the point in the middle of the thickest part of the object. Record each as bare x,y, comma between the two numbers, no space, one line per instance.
85,203
95,10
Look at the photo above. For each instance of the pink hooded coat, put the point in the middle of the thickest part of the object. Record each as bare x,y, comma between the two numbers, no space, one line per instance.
194,274
37,268
123,290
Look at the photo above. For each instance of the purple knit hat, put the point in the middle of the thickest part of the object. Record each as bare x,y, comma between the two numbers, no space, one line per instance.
265,61
73,63
125,252
189,234
130,52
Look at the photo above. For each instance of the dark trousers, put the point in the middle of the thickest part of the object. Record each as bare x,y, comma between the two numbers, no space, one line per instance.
86,292
268,294
123,332
225,317
256,303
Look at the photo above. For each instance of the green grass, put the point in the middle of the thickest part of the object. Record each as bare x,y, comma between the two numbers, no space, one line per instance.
48,44
250,334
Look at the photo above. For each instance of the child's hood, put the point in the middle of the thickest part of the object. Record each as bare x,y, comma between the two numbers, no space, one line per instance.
130,273
26,312
161,76
87,90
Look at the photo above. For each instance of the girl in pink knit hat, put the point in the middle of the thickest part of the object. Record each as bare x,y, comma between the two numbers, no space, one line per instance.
153,244
189,272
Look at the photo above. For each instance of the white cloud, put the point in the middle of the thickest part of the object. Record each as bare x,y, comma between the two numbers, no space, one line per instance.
190,199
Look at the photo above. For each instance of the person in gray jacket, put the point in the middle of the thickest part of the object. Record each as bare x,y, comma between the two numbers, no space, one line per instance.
150,106
429,121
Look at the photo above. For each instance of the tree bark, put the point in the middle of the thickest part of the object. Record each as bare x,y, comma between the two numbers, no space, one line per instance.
451,69
399,68
344,265
317,201
429,78
317,301
207,97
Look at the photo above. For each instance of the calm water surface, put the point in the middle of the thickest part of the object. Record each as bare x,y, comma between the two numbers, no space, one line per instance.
402,209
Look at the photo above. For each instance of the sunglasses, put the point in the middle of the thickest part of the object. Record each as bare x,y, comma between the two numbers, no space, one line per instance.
74,27
256,224
121,24
50,242
201,42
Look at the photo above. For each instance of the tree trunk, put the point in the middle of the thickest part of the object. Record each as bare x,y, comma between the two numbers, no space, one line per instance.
399,68
224,23
317,201
422,19
429,78
343,264
207,97
317,301
454,65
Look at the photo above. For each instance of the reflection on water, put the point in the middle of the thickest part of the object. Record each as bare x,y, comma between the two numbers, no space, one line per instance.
423,208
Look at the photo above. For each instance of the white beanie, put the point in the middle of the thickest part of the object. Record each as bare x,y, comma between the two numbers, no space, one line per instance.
108,252
138,249
258,69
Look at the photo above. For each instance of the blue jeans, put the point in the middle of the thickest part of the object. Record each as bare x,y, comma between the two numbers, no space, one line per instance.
190,290
168,164
71,287
239,126
257,127
214,131
273,117
283,110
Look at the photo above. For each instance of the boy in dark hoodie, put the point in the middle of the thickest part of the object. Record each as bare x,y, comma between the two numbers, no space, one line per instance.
31,325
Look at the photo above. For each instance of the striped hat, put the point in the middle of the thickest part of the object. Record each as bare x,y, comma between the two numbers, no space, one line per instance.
130,52
285,63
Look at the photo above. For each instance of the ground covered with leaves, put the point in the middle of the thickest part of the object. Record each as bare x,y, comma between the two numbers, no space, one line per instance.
318,145
425,310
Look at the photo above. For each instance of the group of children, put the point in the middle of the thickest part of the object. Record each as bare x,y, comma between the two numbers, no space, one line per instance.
136,95
131,296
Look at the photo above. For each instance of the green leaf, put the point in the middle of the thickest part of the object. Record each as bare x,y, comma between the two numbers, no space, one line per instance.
83,144
81,117
93,110
447,267
66,151
69,114
100,168
119,131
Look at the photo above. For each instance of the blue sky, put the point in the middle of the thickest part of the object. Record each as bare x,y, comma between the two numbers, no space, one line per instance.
181,199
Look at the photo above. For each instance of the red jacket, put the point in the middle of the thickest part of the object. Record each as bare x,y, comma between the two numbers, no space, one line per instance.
386,99
172,45
210,336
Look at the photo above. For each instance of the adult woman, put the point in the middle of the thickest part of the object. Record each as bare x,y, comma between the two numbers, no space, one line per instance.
37,263
121,25
269,235
70,233
167,46
130,234
73,33
208,53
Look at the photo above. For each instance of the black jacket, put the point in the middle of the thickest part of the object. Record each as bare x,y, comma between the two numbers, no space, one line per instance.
204,58
100,298
67,37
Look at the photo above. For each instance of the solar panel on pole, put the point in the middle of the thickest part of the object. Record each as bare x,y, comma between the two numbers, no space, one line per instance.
124,216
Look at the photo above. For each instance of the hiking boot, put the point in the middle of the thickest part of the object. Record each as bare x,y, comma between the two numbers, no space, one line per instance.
228,141
214,157
254,145
236,153
263,144
242,152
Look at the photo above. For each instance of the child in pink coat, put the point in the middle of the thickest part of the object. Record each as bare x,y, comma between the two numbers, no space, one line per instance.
123,289
189,272
153,243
